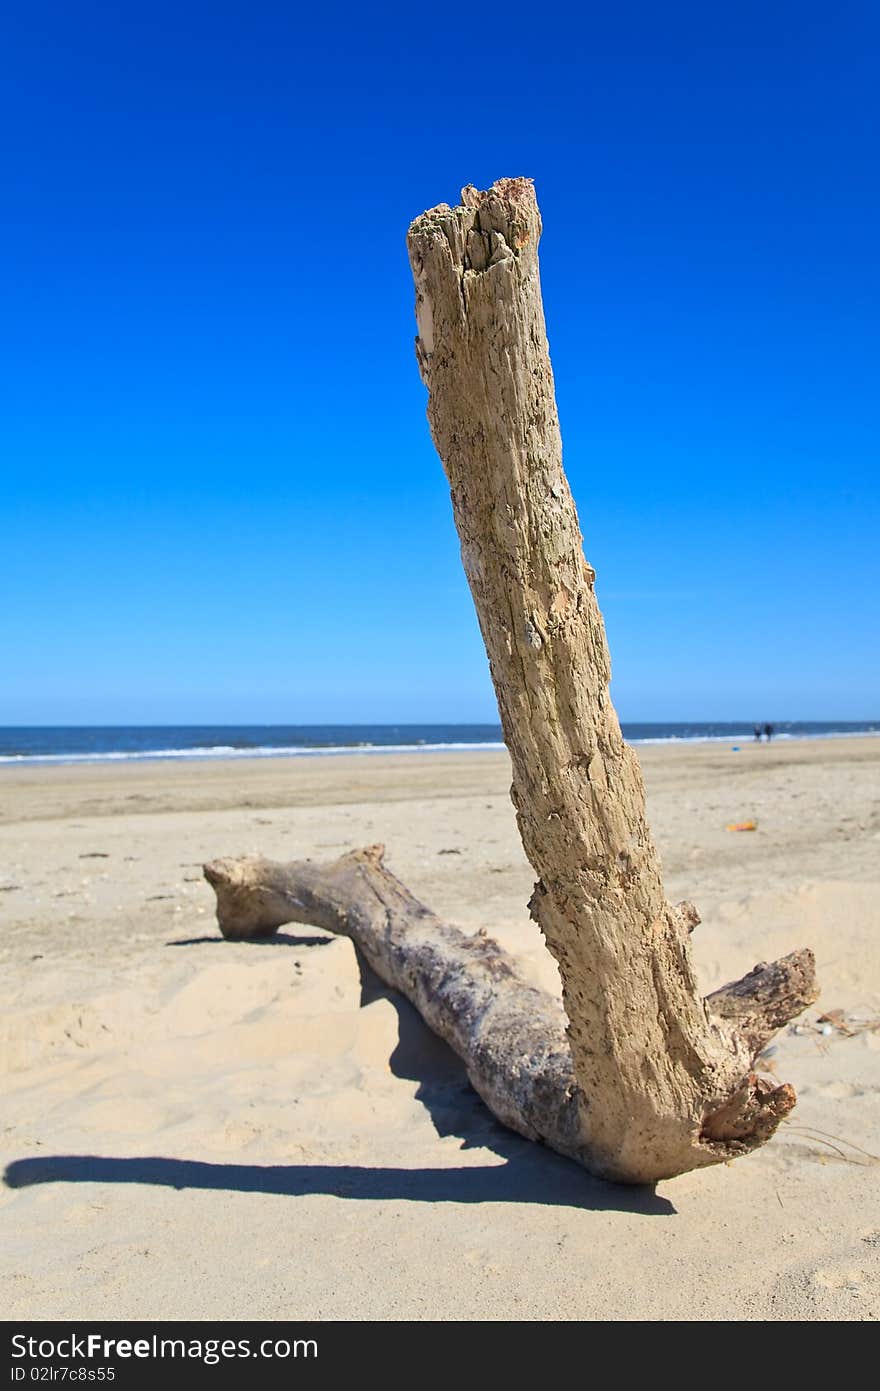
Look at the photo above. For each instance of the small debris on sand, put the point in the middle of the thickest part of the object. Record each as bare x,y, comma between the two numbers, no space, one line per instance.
837,1021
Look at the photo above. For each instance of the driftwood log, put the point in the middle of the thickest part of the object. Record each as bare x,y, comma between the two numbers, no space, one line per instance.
510,1035
648,1080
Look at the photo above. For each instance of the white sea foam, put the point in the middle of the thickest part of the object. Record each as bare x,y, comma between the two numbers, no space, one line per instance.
229,751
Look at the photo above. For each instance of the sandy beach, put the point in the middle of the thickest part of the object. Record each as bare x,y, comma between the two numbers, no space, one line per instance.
199,1129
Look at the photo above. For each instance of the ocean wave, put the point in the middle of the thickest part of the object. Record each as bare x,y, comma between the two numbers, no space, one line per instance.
366,748
233,751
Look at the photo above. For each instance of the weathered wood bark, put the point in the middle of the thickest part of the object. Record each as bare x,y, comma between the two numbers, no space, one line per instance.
511,1037
665,1086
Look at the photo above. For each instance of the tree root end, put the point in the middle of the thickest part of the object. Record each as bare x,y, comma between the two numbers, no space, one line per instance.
750,1116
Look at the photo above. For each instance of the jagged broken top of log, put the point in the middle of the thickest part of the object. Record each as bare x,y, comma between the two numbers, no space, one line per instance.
647,1079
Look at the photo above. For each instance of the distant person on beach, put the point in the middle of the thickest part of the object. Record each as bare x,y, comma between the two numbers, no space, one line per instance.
757,734
768,732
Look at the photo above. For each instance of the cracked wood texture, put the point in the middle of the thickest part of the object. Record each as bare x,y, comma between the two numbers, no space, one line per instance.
665,1084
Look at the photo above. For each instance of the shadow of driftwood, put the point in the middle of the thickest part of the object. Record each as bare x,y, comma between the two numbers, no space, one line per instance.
280,939
443,1086
524,1178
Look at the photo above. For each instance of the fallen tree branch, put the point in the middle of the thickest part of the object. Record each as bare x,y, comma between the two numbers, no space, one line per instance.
510,1035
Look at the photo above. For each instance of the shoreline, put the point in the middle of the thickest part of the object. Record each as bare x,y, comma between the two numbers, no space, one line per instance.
231,753
56,792
210,754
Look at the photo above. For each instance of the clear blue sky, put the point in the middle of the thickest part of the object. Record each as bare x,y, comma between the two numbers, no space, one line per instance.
220,500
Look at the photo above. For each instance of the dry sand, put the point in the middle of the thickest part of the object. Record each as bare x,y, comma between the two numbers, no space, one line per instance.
197,1129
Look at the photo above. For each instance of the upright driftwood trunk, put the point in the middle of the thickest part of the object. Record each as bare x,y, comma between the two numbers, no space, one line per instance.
666,1086
651,1080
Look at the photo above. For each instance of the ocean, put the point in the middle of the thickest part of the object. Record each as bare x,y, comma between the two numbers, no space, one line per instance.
109,743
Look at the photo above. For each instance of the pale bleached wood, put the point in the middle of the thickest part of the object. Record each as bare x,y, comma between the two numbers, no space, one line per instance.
510,1035
665,1086
650,1080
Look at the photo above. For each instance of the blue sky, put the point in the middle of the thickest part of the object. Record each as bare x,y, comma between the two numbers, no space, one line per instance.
220,500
